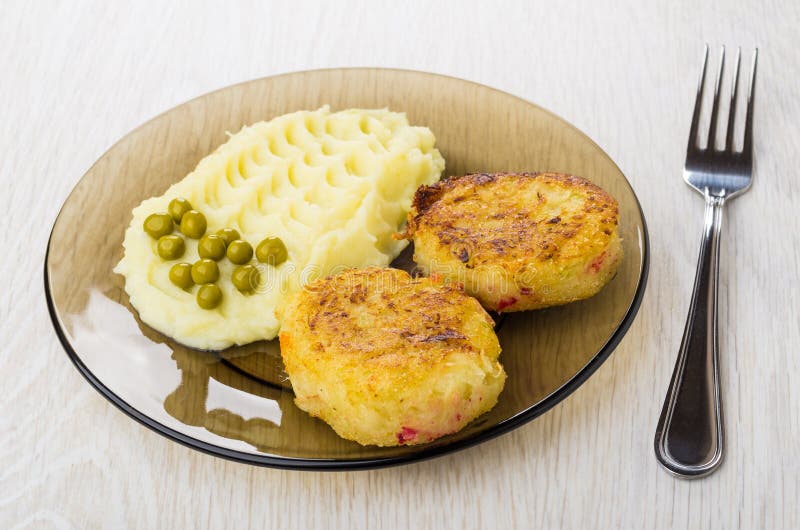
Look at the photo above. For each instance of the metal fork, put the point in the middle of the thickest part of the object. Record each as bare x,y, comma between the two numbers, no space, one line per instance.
689,437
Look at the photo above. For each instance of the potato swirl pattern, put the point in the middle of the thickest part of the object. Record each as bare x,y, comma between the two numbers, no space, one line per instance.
333,186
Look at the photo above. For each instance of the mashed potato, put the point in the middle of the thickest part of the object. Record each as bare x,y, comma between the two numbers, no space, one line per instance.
333,186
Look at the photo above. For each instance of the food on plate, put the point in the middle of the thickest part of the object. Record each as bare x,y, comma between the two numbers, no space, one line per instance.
170,247
517,241
245,278
205,271
239,252
387,359
158,225
228,235
272,251
180,274
177,207
211,246
309,191
209,296
193,224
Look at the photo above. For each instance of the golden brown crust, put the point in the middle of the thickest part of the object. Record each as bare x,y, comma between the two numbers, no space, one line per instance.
534,224
454,210
380,315
388,359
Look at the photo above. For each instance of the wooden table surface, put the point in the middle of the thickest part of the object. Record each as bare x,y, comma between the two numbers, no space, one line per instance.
77,76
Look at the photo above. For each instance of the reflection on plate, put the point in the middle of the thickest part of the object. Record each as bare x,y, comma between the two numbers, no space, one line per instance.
238,403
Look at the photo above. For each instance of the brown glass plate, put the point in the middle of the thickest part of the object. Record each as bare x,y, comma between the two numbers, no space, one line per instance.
238,404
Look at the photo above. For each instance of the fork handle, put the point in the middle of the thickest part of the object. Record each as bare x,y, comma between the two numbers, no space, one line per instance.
689,437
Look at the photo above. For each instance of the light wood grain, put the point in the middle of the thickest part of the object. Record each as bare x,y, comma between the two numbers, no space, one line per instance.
78,77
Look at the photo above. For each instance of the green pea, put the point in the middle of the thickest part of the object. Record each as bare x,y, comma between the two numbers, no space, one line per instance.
170,247
178,207
193,224
209,296
211,247
181,275
272,251
158,224
205,271
245,278
239,252
229,235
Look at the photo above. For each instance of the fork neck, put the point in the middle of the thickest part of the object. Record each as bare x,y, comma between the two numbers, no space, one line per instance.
713,219
714,200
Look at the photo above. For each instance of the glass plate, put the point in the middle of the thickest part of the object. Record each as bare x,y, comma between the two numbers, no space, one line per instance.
238,403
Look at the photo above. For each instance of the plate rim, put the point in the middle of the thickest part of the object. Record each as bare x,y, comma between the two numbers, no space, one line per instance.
322,464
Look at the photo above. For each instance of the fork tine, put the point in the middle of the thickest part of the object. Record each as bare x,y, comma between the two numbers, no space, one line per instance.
732,109
712,124
747,147
697,104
